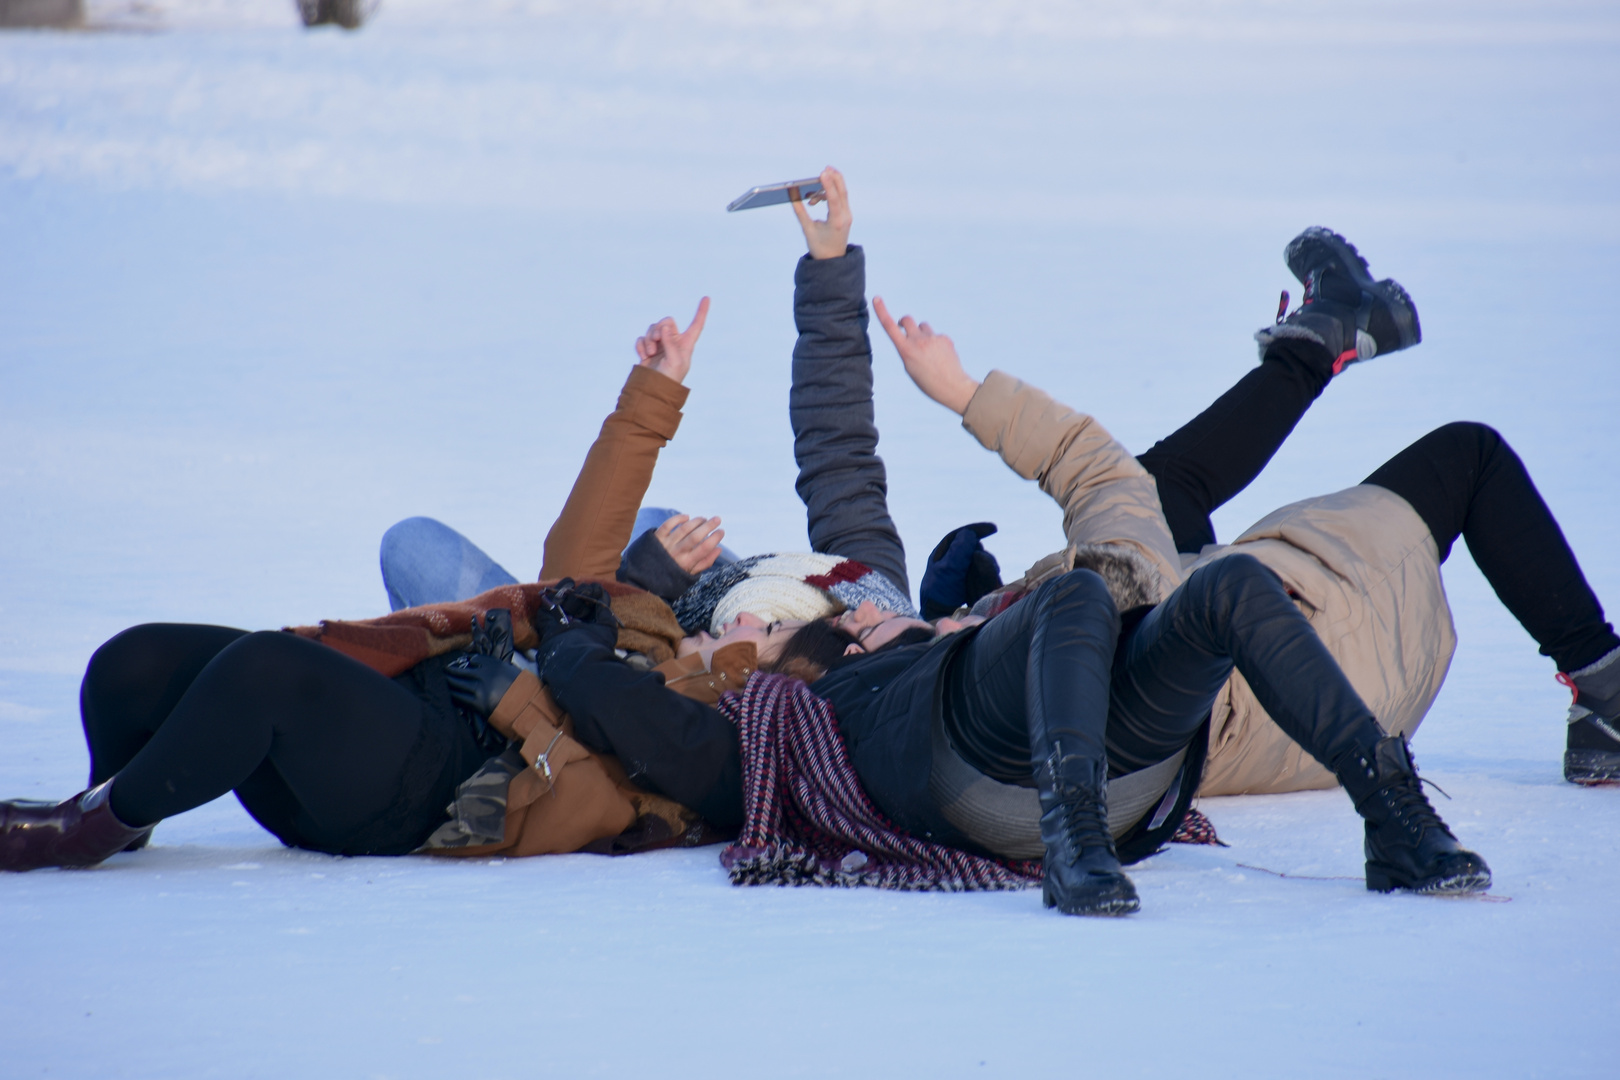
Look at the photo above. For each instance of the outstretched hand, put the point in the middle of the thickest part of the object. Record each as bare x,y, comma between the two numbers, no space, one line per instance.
827,239
667,349
694,543
930,359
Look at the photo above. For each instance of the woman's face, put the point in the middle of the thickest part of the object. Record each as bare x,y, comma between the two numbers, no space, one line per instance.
873,627
768,638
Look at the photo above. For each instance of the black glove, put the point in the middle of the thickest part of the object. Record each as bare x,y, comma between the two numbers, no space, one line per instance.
494,638
478,682
959,571
566,605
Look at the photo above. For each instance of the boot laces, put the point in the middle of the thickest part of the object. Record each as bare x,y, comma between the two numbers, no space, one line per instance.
1084,819
1407,802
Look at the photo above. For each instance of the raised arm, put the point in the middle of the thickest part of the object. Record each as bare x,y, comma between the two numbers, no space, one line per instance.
841,478
1106,496
595,523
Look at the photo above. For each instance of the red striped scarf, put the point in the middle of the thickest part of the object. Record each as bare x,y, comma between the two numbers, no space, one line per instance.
807,820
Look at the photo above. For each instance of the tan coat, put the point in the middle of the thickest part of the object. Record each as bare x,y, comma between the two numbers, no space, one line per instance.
1360,563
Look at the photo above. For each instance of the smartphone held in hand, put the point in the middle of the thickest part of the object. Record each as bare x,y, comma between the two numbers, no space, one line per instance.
771,194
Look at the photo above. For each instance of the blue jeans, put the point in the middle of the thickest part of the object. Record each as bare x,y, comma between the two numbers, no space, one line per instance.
427,562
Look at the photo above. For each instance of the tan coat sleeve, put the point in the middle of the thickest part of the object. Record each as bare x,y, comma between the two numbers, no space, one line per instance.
595,522
1106,495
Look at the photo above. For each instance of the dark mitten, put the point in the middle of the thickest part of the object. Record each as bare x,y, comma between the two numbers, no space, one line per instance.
478,682
959,571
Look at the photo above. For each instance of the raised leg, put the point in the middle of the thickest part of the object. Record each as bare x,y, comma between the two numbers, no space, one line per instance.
427,562
1219,452
1464,480
1234,612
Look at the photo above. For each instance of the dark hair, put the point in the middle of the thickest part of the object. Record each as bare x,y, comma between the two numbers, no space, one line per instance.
814,649
911,635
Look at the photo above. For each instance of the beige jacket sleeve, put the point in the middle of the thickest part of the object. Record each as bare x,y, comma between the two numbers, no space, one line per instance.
1108,499
595,522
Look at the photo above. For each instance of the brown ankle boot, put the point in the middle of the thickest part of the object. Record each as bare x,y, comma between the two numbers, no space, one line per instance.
79,832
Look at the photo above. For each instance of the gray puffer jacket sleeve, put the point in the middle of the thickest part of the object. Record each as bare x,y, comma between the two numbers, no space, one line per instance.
841,478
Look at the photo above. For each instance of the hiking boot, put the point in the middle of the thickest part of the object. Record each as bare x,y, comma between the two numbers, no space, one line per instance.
79,832
1408,846
1592,749
1082,872
1353,316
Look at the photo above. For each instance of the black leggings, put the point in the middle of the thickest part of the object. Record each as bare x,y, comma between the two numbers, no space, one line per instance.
1465,480
1217,453
323,752
1158,685
1462,479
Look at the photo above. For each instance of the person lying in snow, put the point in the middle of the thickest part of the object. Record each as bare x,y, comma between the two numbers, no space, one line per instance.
346,737
1033,684
1098,748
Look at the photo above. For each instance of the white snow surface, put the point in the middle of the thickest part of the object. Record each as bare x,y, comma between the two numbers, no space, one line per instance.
265,291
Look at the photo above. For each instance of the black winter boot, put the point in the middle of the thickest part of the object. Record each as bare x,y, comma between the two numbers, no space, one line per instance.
1592,750
79,832
1082,871
1408,846
1344,309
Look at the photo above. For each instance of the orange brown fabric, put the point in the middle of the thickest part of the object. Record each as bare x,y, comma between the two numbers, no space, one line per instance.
393,644
596,521
571,799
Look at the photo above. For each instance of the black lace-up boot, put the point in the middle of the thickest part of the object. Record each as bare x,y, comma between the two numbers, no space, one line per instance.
79,832
1082,871
1408,846
1592,752
1353,316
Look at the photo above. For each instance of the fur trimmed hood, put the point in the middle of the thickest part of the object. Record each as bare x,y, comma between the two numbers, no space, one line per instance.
1133,581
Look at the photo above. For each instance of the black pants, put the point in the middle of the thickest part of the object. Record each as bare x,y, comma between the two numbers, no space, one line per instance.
1219,452
323,752
1462,479
1140,703
1465,480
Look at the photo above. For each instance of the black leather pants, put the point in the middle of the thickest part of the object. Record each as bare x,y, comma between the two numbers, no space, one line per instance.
1047,659
1232,612
1166,673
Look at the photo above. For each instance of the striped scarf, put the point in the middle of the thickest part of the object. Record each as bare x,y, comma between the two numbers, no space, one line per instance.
807,820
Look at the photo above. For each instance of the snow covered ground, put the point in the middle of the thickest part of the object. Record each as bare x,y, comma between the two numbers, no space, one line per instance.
264,292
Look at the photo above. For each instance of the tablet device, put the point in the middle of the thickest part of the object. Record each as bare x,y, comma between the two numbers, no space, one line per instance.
771,194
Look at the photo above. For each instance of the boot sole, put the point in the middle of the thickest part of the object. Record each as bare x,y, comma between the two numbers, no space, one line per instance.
1384,880
1592,768
1401,310
1317,246
1107,906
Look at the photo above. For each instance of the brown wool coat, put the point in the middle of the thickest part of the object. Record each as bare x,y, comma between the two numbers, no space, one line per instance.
1360,563
569,798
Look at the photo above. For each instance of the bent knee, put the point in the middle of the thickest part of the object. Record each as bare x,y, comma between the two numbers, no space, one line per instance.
410,534
1076,589
1235,571
1474,438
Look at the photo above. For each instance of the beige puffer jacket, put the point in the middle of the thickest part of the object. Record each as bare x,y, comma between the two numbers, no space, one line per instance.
1360,563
